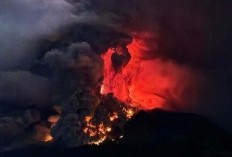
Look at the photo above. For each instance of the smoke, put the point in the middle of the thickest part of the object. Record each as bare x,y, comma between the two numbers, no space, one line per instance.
50,55
23,25
149,81
23,88
170,86
190,35
45,61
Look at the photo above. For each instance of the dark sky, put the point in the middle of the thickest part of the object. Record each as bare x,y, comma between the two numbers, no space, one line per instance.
37,50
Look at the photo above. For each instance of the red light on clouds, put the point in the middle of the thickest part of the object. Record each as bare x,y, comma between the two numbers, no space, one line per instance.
147,82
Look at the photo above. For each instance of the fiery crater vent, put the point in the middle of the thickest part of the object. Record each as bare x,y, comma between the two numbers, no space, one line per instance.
133,79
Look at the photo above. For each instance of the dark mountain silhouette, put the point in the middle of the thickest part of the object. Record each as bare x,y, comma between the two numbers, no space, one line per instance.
157,133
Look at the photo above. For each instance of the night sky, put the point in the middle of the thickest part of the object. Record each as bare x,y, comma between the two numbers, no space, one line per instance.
50,50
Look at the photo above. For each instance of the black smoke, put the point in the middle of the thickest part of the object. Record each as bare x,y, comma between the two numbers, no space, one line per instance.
50,55
193,33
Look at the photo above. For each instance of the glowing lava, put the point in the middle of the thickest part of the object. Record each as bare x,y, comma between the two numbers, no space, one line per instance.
48,138
128,85
135,79
98,133
148,82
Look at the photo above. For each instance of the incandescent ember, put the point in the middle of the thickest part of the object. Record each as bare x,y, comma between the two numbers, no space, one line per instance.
108,120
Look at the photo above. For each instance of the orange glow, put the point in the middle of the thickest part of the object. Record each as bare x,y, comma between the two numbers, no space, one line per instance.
113,117
48,138
108,129
99,132
148,82
129,113
88,118
42,134
53,120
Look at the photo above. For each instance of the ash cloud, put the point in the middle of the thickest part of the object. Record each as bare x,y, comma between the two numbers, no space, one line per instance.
23,23
26,31
22,87
195,34
50,51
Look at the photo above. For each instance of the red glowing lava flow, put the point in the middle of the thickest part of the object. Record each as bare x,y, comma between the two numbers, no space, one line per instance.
135,83
147,82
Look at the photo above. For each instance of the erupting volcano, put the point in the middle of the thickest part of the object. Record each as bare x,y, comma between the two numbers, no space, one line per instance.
134,79
78,74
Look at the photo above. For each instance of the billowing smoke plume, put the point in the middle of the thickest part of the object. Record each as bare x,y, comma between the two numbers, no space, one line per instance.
50,56
190,34
22,25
